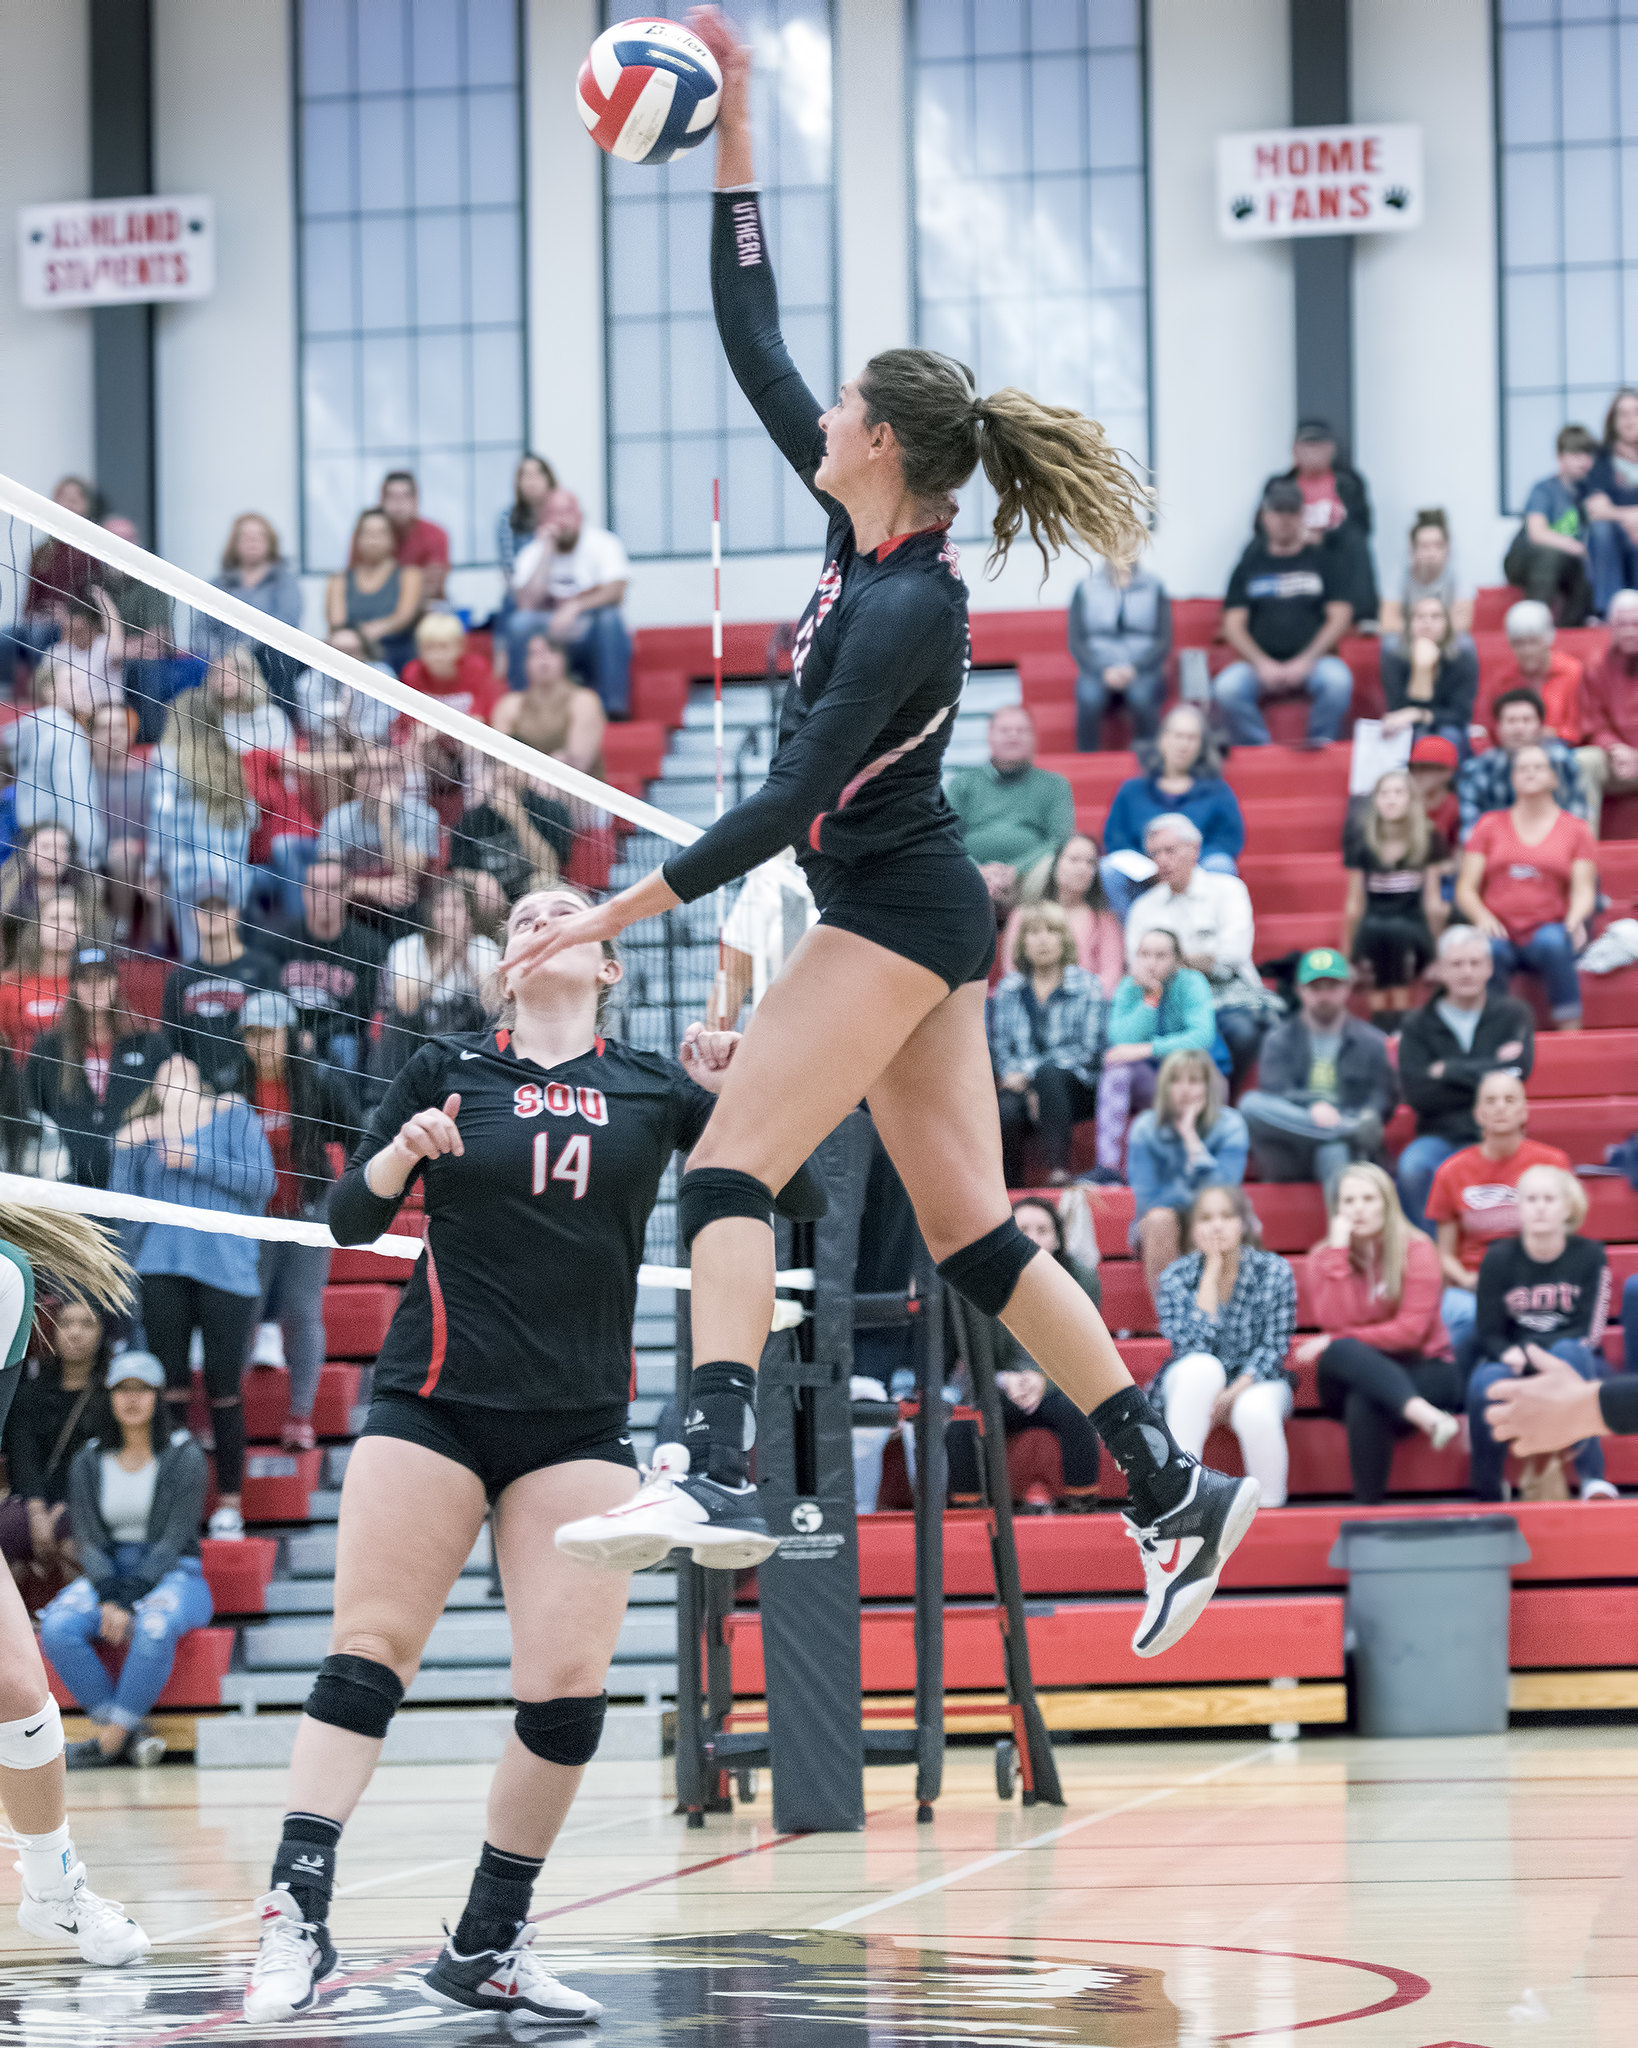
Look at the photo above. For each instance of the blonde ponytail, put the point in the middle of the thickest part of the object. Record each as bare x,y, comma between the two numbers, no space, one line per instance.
71,1251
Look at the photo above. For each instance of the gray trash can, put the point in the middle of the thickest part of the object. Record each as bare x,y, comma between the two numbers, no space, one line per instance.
1427,1615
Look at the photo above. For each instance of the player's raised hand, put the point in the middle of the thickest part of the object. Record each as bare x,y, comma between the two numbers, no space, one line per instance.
431,1133
706,1055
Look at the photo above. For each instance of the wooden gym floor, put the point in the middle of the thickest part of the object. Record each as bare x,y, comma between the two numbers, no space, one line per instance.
1454,1894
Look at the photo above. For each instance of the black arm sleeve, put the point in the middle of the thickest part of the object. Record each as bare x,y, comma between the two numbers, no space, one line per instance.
1618,1403
356,1215
747,307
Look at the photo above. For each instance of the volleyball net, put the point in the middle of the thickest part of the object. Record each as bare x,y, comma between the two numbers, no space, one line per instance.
248,871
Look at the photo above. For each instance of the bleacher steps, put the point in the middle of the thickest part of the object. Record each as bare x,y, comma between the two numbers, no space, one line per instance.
458,1637
1322,1703
1571,1692
430,1735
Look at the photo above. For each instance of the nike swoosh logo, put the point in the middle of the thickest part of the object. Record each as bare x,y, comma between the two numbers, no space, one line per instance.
35,1729
1169,1568
471,1055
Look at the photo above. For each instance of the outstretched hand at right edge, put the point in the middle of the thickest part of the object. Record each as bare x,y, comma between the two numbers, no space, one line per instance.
733,55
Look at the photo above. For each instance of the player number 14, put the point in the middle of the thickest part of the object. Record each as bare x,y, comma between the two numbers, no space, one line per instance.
573,1164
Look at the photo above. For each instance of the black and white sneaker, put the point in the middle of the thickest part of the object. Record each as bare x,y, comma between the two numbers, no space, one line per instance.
1185,1551
510,1980
722,1526
294,1956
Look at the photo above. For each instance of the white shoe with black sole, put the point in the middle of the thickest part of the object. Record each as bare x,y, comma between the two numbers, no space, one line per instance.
1185,1551
294,1957
510,1981
721,1526
103,1932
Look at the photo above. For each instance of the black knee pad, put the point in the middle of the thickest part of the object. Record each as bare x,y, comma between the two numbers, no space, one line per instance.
708,1193
355,1693
986,1272
563,1731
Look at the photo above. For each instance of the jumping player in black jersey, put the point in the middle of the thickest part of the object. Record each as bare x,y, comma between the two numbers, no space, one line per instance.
503,1383
884,998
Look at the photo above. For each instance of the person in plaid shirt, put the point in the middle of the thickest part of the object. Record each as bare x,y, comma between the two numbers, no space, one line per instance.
1486,781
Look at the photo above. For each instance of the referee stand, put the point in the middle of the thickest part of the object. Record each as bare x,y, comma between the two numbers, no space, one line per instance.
815,1743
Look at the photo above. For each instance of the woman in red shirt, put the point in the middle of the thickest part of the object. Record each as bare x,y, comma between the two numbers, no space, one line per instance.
1529,882
32,998
1385,1363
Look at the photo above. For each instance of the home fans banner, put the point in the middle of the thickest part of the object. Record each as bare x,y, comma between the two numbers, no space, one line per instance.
109,252
1279,182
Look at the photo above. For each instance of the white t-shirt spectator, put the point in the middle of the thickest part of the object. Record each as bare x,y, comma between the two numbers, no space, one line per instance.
329,712
351,832
596,557
50,756
250,731
411,983
1212,915
774,909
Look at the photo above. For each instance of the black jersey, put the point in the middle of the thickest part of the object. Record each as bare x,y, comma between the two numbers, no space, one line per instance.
525,1294
881,653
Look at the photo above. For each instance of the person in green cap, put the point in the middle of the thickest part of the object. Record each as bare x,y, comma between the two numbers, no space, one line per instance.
1325,1085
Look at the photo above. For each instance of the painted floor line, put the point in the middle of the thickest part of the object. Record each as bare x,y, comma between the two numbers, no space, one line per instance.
1073,1827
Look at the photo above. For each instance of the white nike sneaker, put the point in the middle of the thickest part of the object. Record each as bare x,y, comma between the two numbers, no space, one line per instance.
295,1954
721,1526
103,1933
507,1981
227,1525
1185,1551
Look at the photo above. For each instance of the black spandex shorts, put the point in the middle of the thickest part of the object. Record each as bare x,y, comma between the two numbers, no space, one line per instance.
932,908
501,1444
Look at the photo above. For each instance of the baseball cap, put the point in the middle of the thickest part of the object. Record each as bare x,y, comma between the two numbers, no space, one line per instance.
1323,963
1433,752
267,1010
1283,495
137,1365
89,958
1314,430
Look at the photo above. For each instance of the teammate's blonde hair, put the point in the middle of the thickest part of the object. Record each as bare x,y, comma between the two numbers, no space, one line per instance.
1571,1192
1397,1229
1051,467
74,1253
204,757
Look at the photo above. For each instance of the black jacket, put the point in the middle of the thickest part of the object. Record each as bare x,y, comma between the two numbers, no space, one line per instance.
1351,492
41,1411
173,1523
1365,1077
62,1093
1455,685
1444,1103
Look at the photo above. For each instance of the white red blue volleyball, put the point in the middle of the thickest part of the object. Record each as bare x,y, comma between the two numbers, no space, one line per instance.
649,90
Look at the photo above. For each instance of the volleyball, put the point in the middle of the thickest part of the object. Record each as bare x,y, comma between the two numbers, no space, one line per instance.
648,91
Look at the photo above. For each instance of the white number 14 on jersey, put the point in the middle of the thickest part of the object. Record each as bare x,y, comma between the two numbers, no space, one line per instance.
573,1164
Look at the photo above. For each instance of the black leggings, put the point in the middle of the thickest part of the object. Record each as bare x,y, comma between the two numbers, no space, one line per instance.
172,1309
1368,1390
1064,1100
1077,1441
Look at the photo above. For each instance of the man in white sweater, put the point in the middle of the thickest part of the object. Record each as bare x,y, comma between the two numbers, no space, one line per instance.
1210,917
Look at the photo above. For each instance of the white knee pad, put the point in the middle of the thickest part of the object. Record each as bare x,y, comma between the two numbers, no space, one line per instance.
34,1740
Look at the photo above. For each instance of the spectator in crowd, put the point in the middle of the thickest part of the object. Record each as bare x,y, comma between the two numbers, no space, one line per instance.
1433,765
251,722
31,998
384,839
305,1107
1227,1308
135,1501
57,571
1394,862
571,578
121,778
255,571
552,712
332,714
1468,1028
1073,884
200,817
1325,1085
1120,633
329,968
1474,1196
1210,916
87,1070
418,543
1609,498
1028,1398
186,1143
1385,1363
1548,559
1187,780
203,998
376,595
1543,1294
514,838
1429,572
1190,1140
1538,665
1287,608
533,482
151,668
89,655
43,865
1046,1038
51,764
434,978
1014,816
1336,510
1529,882
1160,1008
1429,684
446,668
53,1412
1608,761
1485,783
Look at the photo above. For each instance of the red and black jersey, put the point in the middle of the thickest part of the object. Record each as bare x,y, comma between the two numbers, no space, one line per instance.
525,1295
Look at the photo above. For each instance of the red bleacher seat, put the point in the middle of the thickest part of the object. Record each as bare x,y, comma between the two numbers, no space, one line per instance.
356,1319
267,1402
278,1484
203,1658
239,1573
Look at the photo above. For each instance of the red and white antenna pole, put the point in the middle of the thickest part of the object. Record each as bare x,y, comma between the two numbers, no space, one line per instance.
724,1021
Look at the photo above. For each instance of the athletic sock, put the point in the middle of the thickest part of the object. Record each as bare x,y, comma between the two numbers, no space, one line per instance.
1157,1472
306,1862
46,1861
721,1425
498,1903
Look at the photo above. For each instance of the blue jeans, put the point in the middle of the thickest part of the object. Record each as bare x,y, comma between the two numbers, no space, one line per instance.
1330,688
160,1620
1123,892
1141,701
1613,560
599,653
1489,1457
1548,952
1418,1163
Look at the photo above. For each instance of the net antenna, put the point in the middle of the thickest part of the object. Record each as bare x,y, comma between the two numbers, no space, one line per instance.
721,1006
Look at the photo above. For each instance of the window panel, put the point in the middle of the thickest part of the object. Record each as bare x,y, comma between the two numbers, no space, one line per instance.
676,419
1531,211
1591,222
411,226
1057,115
1586,84
1529,80
1592,327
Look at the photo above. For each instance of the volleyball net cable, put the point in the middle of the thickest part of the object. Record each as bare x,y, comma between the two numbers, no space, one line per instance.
248,872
